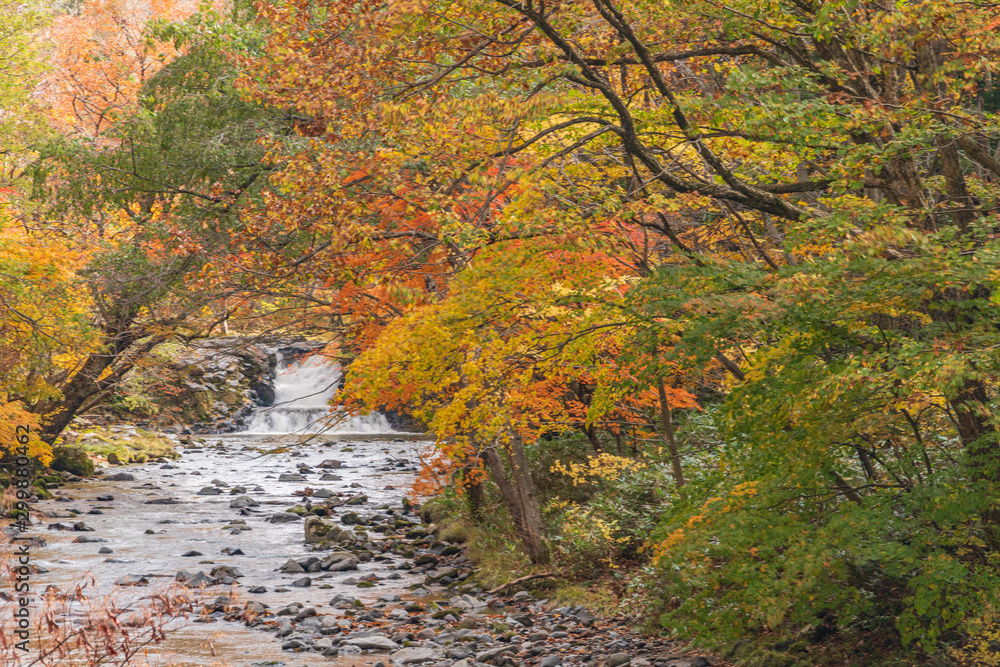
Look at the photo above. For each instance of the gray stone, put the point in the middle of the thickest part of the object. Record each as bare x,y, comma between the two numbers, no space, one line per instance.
291,567
243,501
284,517
291,477
285,629
551,661
618,659
119,477
414,655
304,582
339,561
317,530
374,643
210,491
132,580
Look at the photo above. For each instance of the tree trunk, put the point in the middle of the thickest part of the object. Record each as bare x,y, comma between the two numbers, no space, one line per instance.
518,492
980,440
667,424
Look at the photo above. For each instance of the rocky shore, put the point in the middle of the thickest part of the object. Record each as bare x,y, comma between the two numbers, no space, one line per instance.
315,549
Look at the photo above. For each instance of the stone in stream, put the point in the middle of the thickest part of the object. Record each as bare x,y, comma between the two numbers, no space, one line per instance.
195,580
132,580
323,493
290,477
340,598
257,589
87,539
373,643
105,550
284,517
304,582
219,482
210,491
243,501
291,567
285,629
105,499
119,477
551,661
223,572
191,554
339,561
163,501
316,529
357,500
330,477
331,464
233,551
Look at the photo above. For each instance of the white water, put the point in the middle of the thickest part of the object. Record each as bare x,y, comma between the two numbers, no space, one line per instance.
303,393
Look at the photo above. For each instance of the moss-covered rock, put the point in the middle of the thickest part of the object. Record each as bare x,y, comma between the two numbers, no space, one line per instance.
73,460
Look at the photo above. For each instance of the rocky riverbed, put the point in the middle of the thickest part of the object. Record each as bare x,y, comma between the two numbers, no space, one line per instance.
307,554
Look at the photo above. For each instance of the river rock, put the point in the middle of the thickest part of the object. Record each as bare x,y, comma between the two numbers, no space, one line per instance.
219,482
210,491
291,567
243,501
226,572
87,539
197,580
618,659
357,500
105,499
119,477
285,629
331,464
105,550
290,477
323,493
316,529
414,655
339,561
132,580
191,554
304,582
373,643
551,661
284,517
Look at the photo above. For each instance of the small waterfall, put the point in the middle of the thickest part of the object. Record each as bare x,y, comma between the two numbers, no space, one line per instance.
303,391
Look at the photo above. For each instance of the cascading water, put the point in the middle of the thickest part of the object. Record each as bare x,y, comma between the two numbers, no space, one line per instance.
303,391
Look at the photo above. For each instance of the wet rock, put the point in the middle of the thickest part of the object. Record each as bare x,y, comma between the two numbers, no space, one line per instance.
339,561
132,580
285,629
198,580
357,500
291,567
257,589
105,550
87,539
210,491
316,529
331,464
551,661
219,482
373,643
243,501
304,582
291,477
233,551
224,572
191,554
340,598
105,499
120,477
163,501
284,517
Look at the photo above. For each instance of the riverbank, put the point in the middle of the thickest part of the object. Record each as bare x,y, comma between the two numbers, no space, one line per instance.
388,591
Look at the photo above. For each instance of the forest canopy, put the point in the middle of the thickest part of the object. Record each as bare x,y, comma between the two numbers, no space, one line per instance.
706,291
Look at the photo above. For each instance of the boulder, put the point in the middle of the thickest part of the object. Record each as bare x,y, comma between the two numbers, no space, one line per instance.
373,643
284,517
339,561
72,460
316,529
243,501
